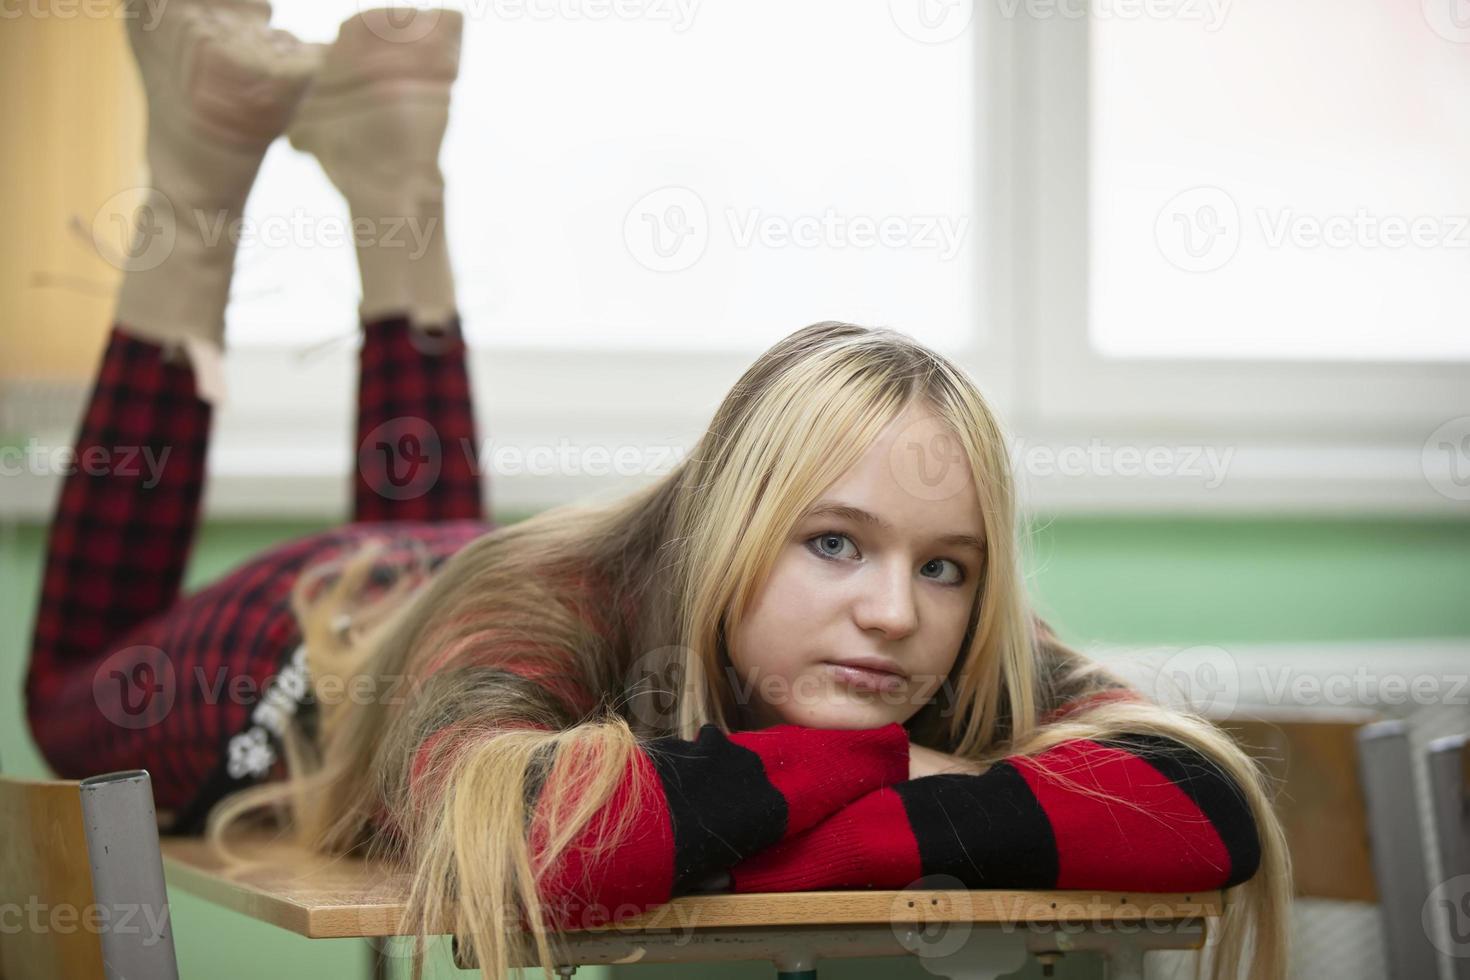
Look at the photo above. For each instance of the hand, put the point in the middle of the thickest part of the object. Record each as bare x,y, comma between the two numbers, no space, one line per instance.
924,761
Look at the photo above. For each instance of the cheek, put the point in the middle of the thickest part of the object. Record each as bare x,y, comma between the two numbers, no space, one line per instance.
783,612
762,642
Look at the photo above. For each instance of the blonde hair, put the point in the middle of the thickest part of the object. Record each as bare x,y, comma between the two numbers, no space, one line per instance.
592,593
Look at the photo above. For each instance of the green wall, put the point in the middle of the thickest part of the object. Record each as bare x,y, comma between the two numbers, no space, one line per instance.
1115,580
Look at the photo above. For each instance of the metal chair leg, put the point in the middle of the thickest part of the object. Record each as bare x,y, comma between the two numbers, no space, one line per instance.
127,876
1398,847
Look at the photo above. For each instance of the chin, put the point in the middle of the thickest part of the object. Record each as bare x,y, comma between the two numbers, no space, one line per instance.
845,715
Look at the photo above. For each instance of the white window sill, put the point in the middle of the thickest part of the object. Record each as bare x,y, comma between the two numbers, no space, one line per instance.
288,455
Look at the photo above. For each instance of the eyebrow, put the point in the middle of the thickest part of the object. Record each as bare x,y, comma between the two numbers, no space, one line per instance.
858,515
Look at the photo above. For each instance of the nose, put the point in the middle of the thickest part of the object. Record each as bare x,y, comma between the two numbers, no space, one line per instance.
887,601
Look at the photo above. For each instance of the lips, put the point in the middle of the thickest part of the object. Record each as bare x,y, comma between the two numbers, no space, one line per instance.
874,664
859,676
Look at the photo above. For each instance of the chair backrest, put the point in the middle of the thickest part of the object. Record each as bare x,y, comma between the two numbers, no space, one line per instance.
1400,861
80,864
1351,817
1321,799
1449,789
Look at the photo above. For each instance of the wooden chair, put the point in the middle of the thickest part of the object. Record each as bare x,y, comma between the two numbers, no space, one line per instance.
1351,817
1449,789
80,862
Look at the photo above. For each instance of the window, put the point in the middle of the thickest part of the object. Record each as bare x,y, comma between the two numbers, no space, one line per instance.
667,176
1279,181
1299,359
1107,211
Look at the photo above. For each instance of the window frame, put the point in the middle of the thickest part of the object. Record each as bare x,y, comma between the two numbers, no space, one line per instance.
1303,398
1307,436
1298,431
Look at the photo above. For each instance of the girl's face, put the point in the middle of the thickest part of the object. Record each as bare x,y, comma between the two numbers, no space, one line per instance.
893,590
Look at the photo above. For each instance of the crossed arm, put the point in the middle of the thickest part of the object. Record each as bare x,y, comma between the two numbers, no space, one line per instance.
791,808
1137,813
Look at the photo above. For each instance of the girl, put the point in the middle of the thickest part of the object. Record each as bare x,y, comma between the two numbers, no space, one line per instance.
802,659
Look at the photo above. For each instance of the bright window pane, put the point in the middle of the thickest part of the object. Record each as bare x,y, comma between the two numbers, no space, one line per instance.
1281,180
703,175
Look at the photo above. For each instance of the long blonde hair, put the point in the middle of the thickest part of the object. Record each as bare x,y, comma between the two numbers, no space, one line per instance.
592,595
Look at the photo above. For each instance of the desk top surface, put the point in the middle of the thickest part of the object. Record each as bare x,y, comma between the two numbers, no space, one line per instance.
328,898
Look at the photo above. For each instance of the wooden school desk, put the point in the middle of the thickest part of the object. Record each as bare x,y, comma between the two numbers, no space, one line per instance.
960,933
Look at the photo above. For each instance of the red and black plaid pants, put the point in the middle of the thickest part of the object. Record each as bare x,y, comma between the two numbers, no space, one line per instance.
127,673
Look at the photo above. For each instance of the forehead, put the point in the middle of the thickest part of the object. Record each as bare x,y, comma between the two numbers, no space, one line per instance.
915,477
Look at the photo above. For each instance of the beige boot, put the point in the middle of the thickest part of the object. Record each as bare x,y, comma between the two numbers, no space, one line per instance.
375,117
221,85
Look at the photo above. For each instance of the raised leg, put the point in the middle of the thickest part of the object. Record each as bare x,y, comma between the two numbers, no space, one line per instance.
375,118
220,85
121,535
416,434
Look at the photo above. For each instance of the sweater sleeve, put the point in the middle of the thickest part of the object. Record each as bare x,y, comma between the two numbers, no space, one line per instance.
1134,813
693,808
717,799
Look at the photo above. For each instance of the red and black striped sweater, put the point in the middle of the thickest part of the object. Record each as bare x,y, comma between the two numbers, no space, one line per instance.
789,808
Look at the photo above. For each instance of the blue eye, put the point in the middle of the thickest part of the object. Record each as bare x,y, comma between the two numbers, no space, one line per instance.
817,545
828,536
959,570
